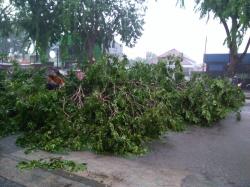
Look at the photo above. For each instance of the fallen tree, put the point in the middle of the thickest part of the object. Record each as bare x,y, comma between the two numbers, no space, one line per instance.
116,108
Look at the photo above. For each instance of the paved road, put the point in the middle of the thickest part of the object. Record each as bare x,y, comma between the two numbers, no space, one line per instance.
7,183
221,154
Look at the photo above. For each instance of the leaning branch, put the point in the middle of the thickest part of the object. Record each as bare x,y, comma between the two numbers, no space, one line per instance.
223,21
246,49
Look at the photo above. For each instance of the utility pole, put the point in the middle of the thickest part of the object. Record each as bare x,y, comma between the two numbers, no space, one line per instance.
205,51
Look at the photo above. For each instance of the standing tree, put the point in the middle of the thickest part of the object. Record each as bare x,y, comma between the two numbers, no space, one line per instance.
6,16
41,21
235,17
97,22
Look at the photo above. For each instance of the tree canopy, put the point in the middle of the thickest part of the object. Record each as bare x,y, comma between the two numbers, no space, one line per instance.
235,17
6,13
41,22
88,23
98,22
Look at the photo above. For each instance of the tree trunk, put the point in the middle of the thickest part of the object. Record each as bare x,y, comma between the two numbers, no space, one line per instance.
232,45
89,47
233,62
234,59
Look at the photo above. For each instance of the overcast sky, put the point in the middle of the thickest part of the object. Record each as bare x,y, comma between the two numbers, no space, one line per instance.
168,27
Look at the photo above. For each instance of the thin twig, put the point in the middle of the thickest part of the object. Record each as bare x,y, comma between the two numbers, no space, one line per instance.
78,97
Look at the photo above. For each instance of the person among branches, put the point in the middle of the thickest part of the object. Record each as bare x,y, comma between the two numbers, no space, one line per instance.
54,80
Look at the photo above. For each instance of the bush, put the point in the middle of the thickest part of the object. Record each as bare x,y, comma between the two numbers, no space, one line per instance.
7,107
16,87
207,100
117,108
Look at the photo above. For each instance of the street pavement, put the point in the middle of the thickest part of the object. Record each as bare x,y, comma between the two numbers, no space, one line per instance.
8,183
219,155
11,176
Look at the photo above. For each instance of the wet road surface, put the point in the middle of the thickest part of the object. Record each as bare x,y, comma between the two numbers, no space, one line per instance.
7,183
220,154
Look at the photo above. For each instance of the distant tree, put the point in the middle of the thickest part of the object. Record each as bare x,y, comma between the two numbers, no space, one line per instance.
150,57
139,59
41,21
98,22
6,16
235,18
181,2
13,44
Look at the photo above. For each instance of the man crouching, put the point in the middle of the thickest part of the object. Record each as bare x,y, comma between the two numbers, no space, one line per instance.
54,80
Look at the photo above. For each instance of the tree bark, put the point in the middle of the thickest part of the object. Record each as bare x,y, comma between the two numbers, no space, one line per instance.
234,60
89,47
246,49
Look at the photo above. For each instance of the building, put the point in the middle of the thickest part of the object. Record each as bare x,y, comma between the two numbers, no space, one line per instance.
189,65
217,64
115,49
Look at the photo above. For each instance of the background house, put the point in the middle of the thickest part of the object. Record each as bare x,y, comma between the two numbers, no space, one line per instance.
189,65
115,49
217,64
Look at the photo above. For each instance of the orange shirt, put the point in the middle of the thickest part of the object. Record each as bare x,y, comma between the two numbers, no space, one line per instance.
56,80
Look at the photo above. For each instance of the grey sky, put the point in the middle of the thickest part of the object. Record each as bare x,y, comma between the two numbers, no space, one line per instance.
168,26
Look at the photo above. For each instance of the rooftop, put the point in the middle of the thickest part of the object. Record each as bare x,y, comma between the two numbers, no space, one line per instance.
223,58
186,60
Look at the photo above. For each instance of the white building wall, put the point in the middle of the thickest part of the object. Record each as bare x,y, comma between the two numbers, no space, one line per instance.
116,49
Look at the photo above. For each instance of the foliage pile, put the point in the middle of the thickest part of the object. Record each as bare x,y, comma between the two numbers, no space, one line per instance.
52,164
207,100
14,89
115,109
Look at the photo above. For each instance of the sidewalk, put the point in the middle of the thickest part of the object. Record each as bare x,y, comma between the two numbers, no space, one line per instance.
10,176
102,170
